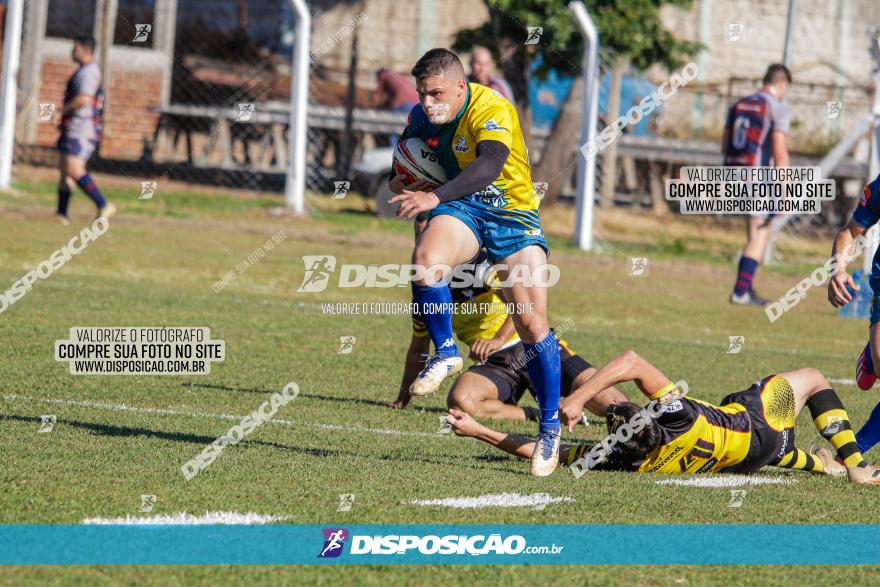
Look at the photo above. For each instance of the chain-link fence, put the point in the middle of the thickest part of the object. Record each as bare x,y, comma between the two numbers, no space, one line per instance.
196,91
200,91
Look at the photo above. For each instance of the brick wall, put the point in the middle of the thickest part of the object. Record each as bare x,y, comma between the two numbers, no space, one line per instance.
131,95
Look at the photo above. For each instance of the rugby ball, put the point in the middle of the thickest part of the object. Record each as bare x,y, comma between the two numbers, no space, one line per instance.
415,160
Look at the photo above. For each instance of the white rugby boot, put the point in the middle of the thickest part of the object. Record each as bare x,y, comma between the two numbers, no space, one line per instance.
436,370
545,457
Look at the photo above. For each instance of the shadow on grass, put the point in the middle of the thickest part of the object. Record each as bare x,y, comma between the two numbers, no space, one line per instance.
328,398
200,439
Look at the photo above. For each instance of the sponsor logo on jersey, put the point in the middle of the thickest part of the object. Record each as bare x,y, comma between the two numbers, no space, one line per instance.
673,407
491,125
432,142
461,144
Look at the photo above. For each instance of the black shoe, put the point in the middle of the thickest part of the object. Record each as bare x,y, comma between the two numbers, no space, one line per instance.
749,298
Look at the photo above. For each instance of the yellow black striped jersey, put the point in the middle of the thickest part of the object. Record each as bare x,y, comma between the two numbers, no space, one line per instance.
698,437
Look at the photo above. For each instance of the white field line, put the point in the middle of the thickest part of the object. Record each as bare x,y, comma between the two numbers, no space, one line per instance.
167,412
493,500
185,519
842,381
727,481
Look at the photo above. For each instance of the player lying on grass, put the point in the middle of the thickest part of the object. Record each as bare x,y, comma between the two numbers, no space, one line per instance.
493,386
866,214
488,202
748,430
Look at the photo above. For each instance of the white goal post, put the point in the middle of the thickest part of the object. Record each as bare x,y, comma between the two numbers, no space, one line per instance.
11,52
586,178
295,186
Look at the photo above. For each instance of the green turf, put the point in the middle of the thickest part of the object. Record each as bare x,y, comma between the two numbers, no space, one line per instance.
156,267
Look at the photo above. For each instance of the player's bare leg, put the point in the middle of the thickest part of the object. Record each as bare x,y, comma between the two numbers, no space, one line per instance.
811,389
541,349
445,243
74,168
758,233
478,396
66,185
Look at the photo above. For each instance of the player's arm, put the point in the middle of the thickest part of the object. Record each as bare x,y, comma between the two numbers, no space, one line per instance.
78,102
464,425
779,146
626,367
418,348
87,83
483,347
493,132
843,251
396,182
491,156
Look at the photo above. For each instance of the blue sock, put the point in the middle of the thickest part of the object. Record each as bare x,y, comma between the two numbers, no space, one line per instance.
439,320
63,199
745,274
87,184
869,435
545,372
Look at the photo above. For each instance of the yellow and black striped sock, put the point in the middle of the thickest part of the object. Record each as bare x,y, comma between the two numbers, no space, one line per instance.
801,461
833,424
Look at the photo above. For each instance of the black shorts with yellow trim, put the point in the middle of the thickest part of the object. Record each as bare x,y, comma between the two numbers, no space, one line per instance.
507,370
771,408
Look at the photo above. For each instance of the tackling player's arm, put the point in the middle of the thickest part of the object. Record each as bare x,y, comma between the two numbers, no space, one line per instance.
464,425
483,347
626,367
418,348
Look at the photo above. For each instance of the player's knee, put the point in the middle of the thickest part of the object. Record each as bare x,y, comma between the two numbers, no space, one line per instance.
819,379
432,267
815,379
532,328
460,398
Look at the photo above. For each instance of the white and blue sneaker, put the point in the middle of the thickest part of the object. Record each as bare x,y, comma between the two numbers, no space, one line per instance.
436,370
545,457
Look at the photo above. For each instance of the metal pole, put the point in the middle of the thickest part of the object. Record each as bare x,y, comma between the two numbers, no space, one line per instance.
11,50
294,190
586,183
778,223
789,36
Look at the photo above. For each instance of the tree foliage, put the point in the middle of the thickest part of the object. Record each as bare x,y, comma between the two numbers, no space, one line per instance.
627,28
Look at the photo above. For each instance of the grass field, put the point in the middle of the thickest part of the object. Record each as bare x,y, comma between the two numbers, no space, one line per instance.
156,266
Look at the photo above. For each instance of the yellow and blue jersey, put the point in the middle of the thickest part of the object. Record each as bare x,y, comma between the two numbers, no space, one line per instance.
485,116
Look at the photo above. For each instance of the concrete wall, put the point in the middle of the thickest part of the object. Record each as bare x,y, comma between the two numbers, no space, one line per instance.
830,47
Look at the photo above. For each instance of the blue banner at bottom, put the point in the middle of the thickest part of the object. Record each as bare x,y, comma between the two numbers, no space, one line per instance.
284,544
